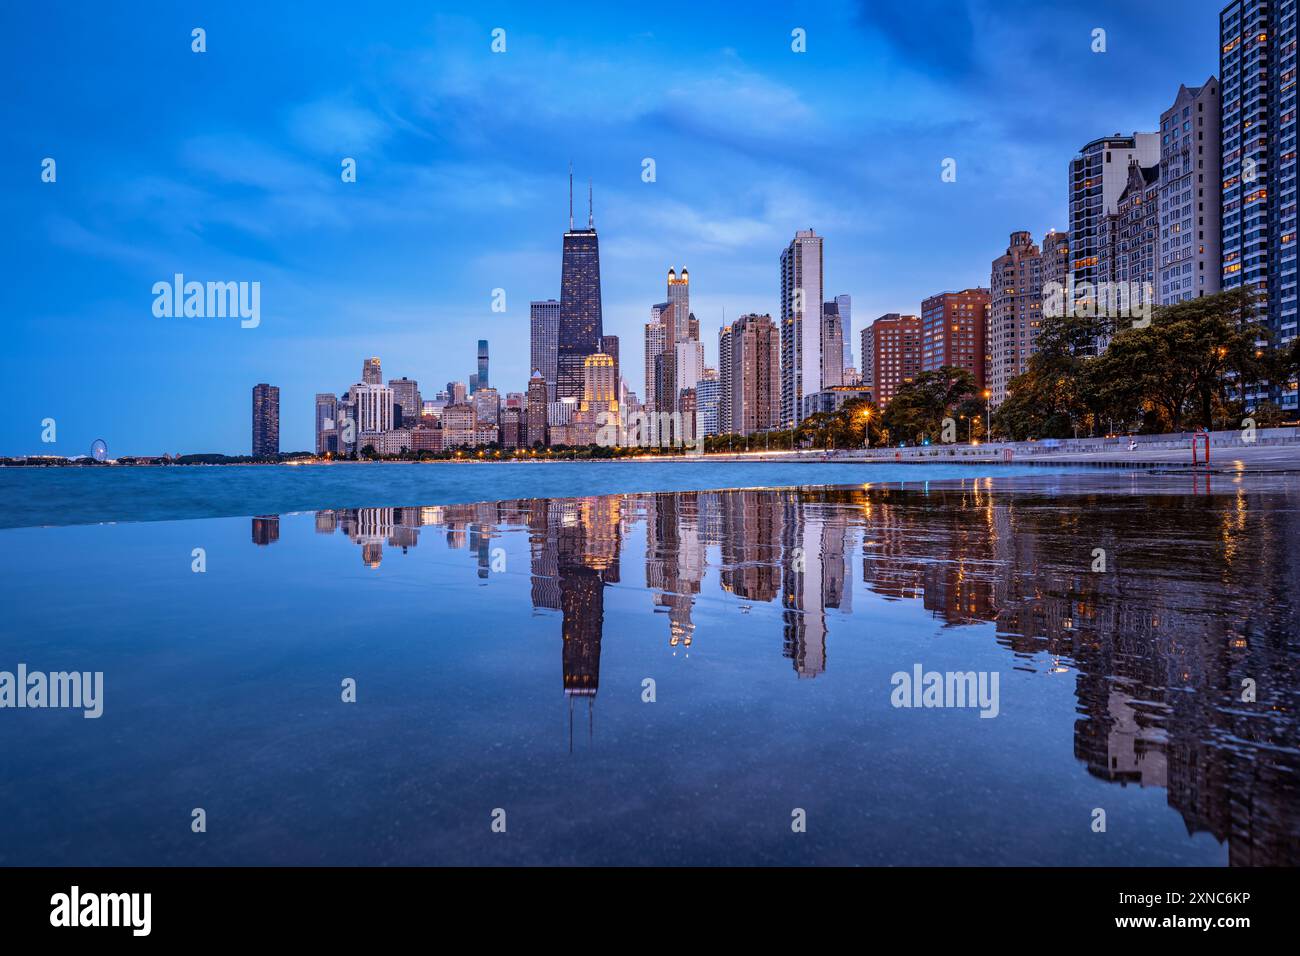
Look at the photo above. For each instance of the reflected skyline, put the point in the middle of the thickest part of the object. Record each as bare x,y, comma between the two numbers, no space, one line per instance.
1200,596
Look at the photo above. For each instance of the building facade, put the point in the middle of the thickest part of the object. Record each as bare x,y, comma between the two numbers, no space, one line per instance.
749,384
802,282
1015,312
896,353
1099,174
538,399
832,345
953,329
706,402
374,404
1191,162
406,396
266,421
1131,240
1257,67
844,309
487,406
544,331
867,355
482,378
655,342
327,436
580,327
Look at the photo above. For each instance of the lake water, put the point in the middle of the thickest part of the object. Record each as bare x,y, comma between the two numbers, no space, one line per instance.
56,496
501,652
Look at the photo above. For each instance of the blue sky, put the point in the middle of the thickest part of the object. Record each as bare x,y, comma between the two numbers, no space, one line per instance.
225,165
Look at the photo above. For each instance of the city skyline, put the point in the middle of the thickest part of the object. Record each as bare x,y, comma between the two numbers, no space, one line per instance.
229,196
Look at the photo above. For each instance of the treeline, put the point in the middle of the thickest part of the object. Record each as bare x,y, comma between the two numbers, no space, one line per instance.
1195,365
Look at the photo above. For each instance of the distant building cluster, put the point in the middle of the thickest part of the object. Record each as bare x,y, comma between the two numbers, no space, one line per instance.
1206,202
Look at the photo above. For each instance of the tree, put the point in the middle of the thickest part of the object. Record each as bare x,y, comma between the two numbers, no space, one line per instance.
919,407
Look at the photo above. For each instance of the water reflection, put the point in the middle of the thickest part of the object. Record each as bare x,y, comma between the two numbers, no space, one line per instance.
1197,605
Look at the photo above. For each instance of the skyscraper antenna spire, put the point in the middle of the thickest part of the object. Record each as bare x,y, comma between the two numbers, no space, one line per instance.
591,217
570,197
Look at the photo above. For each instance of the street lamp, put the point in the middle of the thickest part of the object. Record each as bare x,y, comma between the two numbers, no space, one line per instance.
866,429
987,414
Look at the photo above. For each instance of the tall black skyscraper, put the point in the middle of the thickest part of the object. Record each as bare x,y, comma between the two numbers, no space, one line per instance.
266,421
580,319
482,363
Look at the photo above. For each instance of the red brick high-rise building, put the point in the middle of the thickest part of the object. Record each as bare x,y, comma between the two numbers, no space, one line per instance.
952,331
896,354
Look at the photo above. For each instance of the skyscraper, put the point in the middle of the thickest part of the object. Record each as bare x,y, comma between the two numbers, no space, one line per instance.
679,298
487,406
896,349
656,338
544,320
726,338
1131,234
750,379
953,326
609,345
266,421
868,357
844,309
1191,160
599,385
580,314
599,399
374,408
482,363
406,396
1257,67
832,345
371,373
674,315
535,422
1098,176
1055,250
688,366
326,423
706,402
801,342
1015,313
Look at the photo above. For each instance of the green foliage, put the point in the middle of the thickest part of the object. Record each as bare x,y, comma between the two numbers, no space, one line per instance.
917,410
1193,363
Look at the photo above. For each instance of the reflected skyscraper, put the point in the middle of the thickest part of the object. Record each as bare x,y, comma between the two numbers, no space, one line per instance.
1154,657
266,529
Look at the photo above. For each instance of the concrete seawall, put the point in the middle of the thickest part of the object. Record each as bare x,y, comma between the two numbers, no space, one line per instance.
1269,449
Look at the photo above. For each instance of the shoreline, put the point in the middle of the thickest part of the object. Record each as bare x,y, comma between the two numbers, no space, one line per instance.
1274,458
133,496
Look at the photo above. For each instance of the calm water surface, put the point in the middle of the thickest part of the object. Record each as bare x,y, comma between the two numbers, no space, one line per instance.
500,652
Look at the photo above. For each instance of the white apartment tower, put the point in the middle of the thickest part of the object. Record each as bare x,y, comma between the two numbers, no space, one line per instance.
802,284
